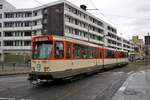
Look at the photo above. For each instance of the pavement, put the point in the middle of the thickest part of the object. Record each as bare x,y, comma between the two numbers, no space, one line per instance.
136,87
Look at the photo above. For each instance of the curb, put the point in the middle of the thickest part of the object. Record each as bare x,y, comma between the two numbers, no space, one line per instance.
13,73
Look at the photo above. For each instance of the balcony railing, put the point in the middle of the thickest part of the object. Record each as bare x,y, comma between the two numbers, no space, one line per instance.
17,47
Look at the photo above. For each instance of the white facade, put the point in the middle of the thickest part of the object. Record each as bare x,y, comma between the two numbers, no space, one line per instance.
82,25
18,25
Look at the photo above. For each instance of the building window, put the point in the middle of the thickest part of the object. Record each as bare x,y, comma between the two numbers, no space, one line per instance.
45,11
35,13
0,25
0,16
1,6
28,33
8,24
45,21
8,34
8,43
27,43
9,15
28,14
35,23
26,24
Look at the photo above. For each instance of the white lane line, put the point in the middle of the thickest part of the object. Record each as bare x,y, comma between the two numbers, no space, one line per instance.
130,72
4,98
122,88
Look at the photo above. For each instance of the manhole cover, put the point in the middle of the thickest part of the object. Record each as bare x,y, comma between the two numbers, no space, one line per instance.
131,92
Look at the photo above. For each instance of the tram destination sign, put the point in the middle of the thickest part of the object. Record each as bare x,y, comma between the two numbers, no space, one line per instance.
41,39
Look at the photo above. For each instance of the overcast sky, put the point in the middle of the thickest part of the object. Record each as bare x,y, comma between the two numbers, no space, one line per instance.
130,17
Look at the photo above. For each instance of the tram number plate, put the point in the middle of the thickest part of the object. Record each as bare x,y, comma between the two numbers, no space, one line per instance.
38,67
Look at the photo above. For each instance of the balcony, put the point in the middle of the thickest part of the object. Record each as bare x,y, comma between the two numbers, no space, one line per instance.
23,18
114,45
17,38
18,19
37,17
17,47
82,19
76,36
17,28
96,41
37,27
76,26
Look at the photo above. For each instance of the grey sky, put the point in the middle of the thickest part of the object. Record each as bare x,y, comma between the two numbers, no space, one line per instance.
130,17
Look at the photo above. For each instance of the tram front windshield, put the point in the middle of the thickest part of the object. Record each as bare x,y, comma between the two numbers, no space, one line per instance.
42,50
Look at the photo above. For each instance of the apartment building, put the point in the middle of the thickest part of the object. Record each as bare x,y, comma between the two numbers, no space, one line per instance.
147,44
139,46
58,18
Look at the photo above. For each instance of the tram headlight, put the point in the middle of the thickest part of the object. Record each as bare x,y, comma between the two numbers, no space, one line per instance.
33,69
46,69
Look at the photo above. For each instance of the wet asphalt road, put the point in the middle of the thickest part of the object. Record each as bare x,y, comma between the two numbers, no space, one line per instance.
100,86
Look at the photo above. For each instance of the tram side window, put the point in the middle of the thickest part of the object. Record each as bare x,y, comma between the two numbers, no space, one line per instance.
59,47
119,54
77,51
100,53
110,54
68,50
124,55
82,51
92,53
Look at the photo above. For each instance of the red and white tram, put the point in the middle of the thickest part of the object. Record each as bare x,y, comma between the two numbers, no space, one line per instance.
56,57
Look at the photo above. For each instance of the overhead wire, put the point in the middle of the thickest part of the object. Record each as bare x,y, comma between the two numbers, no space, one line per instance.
129,17
104,15
38,2
100,11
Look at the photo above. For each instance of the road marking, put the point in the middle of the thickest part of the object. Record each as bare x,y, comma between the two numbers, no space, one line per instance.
122,88
130,72
4,98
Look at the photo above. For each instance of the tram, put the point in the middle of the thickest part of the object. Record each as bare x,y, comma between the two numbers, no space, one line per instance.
57,57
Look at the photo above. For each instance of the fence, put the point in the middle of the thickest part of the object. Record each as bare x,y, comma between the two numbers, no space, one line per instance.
10,67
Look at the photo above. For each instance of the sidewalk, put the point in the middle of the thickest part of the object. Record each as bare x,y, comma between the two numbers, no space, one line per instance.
14,72
136,87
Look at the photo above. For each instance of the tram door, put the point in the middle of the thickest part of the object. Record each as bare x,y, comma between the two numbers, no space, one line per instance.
100,58
116,55
68,50
69,54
